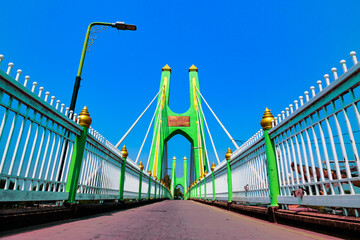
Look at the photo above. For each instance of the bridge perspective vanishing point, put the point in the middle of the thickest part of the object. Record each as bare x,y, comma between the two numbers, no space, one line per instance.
305,156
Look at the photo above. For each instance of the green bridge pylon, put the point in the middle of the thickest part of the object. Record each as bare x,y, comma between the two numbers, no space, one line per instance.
168,124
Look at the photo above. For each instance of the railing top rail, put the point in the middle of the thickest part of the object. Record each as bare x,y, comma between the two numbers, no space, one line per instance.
321,99
16,90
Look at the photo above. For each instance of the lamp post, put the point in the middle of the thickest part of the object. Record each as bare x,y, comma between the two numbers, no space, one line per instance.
102,26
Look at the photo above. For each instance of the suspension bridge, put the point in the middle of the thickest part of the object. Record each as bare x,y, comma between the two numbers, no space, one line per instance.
305,158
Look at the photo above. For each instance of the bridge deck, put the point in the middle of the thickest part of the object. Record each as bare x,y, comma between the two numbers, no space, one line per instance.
166,220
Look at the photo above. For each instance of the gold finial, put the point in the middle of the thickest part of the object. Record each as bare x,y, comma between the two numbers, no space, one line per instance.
141,166
205,172
266,120
228,154
193,68
184,158
166,68
174,158
85,119
124,152
155,178
213,167
149,173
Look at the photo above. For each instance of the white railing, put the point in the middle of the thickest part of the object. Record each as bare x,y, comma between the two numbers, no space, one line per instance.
317,151
36,145
317,144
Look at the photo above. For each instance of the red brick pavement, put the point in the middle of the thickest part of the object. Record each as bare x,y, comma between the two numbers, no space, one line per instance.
165,220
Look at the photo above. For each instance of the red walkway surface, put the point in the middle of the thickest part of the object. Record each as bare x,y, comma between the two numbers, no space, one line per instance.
166,220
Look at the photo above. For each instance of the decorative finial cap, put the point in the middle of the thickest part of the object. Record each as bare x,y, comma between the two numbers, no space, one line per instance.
149,173
174,158
228,154
166,68
85,119
193,68
155,178
141,166
213,167
184,158
266,120
124,152
205,172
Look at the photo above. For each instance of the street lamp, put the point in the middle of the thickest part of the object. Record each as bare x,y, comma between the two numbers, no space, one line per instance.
103,26
100,26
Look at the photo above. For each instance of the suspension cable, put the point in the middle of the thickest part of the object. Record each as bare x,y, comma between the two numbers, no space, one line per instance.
232,140
152,141
208,130
125,135
203,135
146,135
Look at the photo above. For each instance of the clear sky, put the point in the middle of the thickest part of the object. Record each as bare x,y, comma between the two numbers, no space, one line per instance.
250,55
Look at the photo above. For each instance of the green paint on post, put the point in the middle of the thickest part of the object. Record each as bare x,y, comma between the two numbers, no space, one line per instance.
213,185
122,174
140,184
149,188
274,186
75,165
229,180
272,169
155,190
205,188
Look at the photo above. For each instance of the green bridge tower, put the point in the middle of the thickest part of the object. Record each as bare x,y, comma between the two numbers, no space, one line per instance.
168,124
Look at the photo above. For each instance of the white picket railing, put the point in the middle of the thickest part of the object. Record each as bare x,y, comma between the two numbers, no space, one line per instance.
36,141
316,144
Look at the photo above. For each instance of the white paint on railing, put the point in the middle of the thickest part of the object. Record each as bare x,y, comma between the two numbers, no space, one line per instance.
18,73
334,71
353,57
343,65
10,67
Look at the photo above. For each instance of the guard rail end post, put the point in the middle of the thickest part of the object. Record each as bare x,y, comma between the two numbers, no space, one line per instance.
124,154
77,156
274,186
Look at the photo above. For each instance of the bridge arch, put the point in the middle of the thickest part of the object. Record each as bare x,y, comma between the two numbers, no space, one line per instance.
168,124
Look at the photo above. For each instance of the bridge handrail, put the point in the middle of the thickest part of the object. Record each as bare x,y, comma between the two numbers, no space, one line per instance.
48,149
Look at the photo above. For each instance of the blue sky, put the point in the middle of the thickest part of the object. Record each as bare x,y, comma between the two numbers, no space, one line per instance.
250,55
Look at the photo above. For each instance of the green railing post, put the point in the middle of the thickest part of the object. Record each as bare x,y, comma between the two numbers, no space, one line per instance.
197,189
205,184
229,178
140,180
149,187
173,177
213,180
200,187
274,185
122,176
155,187
77,156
